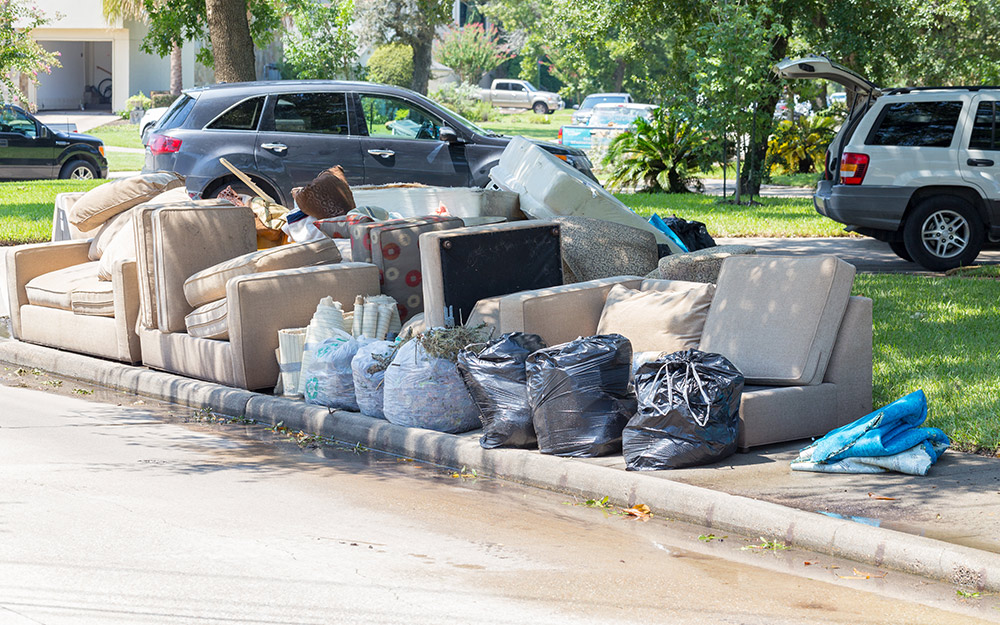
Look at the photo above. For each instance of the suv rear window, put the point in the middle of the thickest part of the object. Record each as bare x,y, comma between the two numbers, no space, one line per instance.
243,116
923,124
984,130
177,113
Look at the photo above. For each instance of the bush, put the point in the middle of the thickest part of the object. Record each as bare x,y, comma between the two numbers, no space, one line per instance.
657,155
799,146
462,98
139,100
392,64
162,98
471,51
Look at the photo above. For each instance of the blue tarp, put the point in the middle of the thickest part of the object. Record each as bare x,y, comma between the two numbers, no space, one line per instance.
657,222
885,440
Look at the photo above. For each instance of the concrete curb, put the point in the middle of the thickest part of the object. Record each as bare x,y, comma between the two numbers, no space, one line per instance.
717,510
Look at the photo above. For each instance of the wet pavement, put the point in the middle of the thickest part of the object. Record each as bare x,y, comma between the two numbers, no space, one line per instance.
122,510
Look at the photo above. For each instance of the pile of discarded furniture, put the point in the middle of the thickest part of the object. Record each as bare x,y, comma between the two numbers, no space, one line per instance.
540,309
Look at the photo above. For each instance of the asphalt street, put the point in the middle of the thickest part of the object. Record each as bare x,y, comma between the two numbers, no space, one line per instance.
121,510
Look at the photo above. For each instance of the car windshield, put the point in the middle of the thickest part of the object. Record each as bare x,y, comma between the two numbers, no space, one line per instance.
617,116
529,86
593,100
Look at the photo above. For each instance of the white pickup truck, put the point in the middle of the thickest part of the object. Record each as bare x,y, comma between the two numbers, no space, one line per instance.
521,94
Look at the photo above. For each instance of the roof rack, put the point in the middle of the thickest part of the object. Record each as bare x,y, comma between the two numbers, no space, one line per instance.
899,90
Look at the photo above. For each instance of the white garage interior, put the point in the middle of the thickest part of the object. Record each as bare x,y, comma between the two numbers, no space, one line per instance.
83,81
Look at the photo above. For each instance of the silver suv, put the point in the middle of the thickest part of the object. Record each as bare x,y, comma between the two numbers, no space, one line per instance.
918,168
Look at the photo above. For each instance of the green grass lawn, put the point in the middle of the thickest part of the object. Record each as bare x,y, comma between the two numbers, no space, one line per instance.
775,217
543,127
26,208
120,135
940,335
124,161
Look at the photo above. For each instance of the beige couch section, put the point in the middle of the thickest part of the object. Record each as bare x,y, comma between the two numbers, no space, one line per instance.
108,337
176,242
840,393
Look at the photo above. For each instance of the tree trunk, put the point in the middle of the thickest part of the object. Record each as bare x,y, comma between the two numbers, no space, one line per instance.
232,47
176,71
619,76
422,56
757,150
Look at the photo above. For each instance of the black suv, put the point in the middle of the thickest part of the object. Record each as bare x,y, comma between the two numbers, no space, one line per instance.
283,133
29,150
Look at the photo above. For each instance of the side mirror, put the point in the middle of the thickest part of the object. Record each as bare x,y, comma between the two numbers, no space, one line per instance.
448,135
576,107
45,132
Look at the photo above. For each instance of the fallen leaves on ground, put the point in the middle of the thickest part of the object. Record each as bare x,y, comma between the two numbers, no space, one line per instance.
639,511
873,496
863,575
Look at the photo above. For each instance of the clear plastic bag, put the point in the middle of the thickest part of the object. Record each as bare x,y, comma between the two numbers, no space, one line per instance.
369,384
496,379
426,392
580,395
329,380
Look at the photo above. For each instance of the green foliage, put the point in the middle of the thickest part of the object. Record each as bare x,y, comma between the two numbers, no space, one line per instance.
162,99
139,100
656,155
392,64
19,52
462,99
471,51
799,146
322,45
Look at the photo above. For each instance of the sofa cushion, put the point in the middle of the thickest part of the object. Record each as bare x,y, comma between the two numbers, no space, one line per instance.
328,195
75,288
209,284
776,317
667,320
210,321
110,229
104,202
121,247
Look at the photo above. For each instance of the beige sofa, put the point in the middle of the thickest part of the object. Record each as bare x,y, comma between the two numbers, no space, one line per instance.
173,243
789,324
56,299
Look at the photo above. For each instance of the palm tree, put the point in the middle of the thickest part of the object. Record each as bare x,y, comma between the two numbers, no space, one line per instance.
135,10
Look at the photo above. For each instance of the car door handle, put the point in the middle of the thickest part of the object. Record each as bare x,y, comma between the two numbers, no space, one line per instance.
382,153
277,147
979,162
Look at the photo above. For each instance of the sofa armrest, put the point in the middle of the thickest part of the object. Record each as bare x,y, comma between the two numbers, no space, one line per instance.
26,262
125,285
263,303
560,313
850,366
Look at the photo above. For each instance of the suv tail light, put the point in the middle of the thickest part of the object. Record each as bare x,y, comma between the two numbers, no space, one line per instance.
853,167
560,135
162,144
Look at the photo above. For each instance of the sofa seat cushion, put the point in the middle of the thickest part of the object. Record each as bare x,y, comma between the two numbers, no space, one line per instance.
110,229
776,317
76,288
102,203
209,285
340,227
665,319
210,321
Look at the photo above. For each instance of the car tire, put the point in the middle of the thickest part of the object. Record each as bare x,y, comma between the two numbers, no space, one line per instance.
540,108
899,248
944,232
78,170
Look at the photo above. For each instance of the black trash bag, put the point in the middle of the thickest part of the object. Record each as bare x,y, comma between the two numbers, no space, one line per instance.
688,412
498,384
694,234
580,395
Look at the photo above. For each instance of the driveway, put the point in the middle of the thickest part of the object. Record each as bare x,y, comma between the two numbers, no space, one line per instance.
85,120
713,186
868,255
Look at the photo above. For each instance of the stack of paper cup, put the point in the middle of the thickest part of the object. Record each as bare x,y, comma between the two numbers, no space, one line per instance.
326,322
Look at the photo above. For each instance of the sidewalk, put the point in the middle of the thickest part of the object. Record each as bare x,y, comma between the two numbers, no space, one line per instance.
944,526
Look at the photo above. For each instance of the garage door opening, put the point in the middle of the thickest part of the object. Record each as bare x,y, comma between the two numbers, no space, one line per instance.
84,80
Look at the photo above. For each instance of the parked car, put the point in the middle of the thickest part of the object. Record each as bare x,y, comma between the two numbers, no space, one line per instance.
148,121
30,150
607,121
521,94
586,108
915,167
283,133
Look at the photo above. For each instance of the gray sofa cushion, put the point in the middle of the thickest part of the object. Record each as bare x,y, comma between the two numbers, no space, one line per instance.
776,317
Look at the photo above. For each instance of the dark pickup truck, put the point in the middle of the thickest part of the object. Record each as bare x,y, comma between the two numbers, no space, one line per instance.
31,150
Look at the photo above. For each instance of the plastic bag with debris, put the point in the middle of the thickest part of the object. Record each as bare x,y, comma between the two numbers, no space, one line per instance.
494,374
329,377
580,396
426,392
369,376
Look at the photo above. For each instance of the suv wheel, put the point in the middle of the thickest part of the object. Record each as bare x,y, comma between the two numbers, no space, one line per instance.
78,170
943,232
540,107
